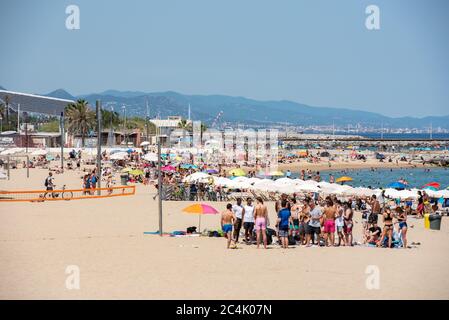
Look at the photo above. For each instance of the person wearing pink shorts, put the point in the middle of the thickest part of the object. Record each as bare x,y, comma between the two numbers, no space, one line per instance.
330,212
261,224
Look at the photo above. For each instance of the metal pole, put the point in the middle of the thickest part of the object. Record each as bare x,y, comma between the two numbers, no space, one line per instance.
159,183
99,146
61,124
9,166
28,166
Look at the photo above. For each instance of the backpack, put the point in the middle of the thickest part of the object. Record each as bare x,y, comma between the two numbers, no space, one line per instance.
46,182
291,241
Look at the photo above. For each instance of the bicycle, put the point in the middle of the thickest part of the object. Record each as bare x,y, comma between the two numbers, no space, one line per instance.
66,195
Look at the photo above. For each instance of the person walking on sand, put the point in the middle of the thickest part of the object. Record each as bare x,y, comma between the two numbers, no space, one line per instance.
227,220
283,222
261,219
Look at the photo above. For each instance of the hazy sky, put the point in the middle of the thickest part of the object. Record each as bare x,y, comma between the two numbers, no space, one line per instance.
315,52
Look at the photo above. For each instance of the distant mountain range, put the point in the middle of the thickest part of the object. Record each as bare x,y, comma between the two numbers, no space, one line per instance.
244,110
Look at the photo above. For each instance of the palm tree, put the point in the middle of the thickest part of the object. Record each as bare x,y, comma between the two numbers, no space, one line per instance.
80,119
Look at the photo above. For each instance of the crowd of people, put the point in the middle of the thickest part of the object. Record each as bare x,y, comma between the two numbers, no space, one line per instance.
308,222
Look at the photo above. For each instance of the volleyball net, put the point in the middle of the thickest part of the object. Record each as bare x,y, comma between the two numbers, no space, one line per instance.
66,194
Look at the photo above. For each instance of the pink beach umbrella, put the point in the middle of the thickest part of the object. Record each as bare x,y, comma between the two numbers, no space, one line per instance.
168,168
200,209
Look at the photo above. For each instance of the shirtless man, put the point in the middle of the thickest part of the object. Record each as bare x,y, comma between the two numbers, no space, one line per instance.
329,222
227,220
261,218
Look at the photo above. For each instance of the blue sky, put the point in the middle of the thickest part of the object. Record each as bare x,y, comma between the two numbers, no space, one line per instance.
313,51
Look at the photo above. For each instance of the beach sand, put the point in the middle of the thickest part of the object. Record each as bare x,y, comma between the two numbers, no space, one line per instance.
104,238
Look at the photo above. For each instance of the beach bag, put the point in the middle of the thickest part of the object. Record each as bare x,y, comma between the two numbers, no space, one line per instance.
291,241
46,182
271,232
191,229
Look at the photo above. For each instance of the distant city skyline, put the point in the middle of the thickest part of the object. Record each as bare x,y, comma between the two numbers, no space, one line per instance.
314,52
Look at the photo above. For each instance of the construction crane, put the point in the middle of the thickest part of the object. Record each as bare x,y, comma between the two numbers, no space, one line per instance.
217,118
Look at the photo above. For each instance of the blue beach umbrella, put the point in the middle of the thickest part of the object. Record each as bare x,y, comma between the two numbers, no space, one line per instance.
397,185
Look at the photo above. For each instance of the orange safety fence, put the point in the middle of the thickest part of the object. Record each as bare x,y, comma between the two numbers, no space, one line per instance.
66,194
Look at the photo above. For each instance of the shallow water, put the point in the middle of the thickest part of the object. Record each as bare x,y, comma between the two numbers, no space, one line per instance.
382,177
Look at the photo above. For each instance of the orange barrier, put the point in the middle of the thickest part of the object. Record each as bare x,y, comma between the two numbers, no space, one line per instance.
66,194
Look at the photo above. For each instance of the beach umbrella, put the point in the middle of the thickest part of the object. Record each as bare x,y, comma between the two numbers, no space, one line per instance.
212,171
432,184
119,156
197,176
39,152
188,166
150,157
343,179
11,151
397,185
145,143
276,173
136,172
49,157
237,172
200,209
430,188
126,170
168,168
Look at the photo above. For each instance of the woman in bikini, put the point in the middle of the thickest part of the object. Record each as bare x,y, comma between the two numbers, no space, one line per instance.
388,228
348,223
402,220
304,220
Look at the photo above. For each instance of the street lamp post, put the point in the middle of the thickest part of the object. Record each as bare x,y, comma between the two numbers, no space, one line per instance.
61,124
98,105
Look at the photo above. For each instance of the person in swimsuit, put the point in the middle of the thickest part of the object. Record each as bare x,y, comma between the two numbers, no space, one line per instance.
304,220
348,223
388,228
227,220
295,209
261,218
402,220
420,208
340,223
329,223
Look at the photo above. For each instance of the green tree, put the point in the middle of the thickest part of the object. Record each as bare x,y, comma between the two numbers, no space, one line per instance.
80,119
109,116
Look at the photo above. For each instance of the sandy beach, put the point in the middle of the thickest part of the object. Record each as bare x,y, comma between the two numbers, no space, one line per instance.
104,238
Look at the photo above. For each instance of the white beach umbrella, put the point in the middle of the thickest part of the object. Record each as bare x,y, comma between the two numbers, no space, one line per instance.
11,151
197,177
119,156
40,152
222,181
150,157
284,181
145,143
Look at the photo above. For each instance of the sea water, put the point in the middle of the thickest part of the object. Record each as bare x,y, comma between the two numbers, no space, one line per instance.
381,177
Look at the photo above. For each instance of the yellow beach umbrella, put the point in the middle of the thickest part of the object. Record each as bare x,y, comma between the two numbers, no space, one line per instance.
127,170
344,179
136,172
237,172
277,173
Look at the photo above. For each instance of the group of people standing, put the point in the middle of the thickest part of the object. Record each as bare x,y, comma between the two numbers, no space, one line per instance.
307,222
